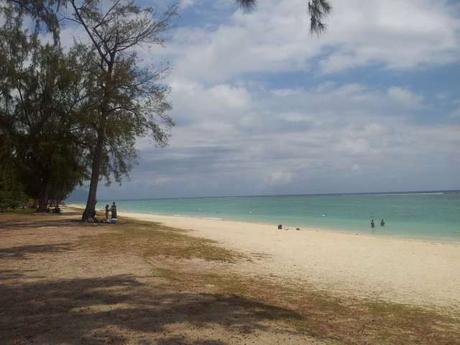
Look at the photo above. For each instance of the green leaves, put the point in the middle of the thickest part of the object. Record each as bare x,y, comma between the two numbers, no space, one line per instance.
39,103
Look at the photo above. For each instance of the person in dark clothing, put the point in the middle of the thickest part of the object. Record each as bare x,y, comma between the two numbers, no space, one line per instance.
280,227
107,209
382,222
113,210
372,223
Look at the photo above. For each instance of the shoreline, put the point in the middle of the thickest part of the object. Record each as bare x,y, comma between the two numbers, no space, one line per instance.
409,271
358,232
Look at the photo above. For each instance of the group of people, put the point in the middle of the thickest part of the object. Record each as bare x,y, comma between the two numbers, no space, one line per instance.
113,213
382,223
280,226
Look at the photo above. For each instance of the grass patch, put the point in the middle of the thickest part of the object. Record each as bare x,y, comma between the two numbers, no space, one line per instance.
330,318
17,211
149,239
31,215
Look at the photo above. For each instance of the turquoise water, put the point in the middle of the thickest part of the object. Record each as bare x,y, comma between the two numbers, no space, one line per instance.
407,214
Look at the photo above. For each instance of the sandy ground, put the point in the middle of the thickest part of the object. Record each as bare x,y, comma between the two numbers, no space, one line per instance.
67,282
400,270
56,290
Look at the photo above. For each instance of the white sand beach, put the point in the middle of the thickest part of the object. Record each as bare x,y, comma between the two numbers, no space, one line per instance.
412,271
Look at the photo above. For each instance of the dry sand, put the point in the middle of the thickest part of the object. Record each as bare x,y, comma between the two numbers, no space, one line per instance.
394,269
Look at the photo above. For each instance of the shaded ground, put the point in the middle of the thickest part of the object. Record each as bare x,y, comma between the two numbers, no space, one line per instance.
63,282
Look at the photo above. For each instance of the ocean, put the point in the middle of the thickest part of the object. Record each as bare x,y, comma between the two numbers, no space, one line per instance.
423,214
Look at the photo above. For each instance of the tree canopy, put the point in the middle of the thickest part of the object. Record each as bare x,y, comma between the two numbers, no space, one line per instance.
39,104
75,116
72,116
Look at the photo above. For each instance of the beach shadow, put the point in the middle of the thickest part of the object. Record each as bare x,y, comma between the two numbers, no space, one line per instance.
37,223
23,252
41,222
104,310
183,341
10,274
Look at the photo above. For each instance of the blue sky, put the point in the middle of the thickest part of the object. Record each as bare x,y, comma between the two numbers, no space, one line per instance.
263,107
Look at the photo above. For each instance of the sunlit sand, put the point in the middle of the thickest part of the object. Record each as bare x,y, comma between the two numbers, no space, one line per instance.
403,270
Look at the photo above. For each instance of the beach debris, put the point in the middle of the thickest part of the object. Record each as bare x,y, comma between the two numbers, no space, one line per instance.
280,227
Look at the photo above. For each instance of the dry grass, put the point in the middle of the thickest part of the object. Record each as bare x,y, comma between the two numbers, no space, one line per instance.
152,240
329,318
204,294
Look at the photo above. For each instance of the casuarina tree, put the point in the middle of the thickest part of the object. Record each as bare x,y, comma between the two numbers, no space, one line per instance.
126,100
41,95
130,101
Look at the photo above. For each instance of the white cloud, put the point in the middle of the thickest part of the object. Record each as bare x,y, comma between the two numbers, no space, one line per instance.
299,140
455,114
279,177
404,96
237,135
396,34
183,4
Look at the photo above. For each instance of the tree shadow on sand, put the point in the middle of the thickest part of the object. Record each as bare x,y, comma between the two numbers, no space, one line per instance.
40,222
22,252
104,310
183,341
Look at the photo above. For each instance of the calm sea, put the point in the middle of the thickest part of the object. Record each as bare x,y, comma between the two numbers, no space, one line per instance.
431,214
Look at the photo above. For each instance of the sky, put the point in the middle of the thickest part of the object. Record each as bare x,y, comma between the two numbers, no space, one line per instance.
263,107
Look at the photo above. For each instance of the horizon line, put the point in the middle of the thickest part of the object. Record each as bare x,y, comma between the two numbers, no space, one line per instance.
285,195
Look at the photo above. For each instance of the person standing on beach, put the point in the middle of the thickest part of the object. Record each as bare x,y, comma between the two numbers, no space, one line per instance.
107,208
114,211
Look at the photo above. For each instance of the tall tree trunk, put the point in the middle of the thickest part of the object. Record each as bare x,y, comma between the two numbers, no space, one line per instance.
43,198
90,209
